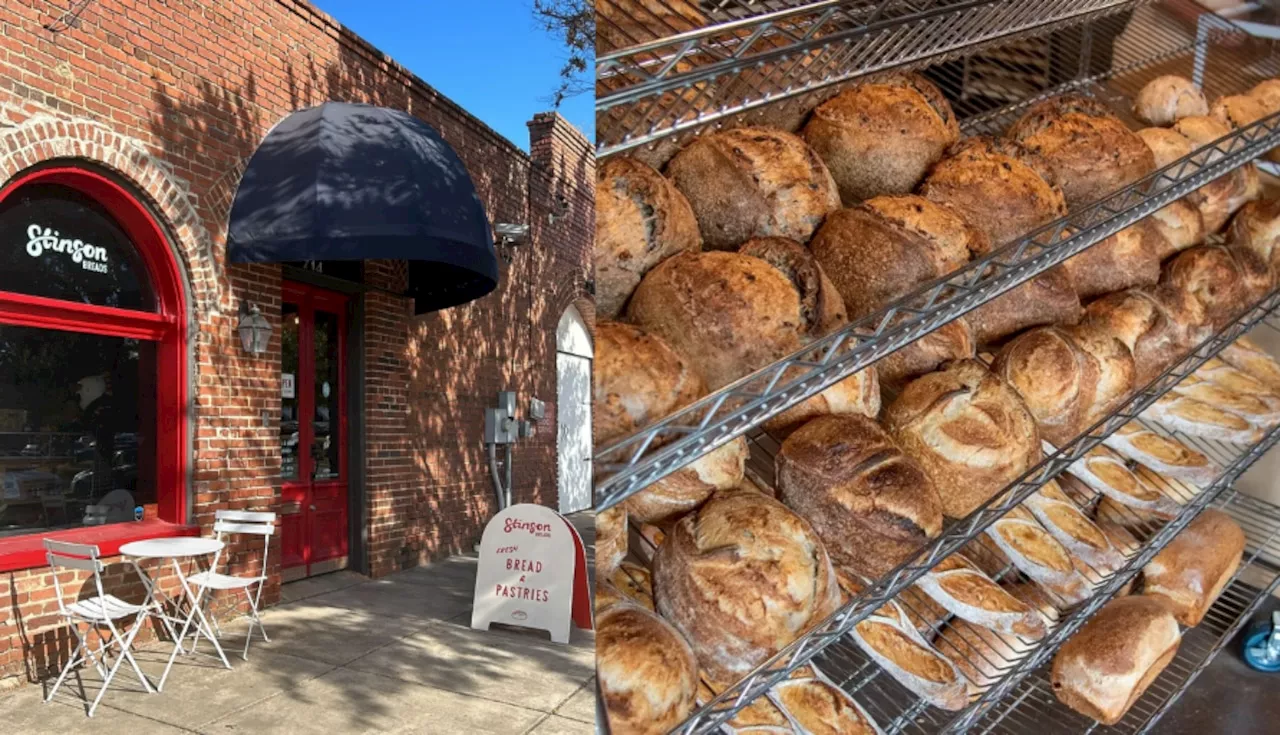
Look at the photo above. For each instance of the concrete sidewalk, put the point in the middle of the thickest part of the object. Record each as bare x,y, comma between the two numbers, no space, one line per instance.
348,655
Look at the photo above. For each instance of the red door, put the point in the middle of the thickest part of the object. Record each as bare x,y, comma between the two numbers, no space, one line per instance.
313,431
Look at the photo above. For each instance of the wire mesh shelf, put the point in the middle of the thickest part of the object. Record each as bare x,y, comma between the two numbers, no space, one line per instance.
667,67
1140,52
894,707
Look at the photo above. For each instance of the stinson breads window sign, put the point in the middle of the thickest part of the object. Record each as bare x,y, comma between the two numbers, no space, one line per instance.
45,240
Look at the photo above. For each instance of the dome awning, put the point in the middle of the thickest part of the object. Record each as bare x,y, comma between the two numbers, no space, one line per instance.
345,181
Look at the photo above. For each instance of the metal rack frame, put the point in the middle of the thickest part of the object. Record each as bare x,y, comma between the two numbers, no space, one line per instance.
831,631
657,87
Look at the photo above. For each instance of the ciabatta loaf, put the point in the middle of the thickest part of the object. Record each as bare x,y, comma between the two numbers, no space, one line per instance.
1190,573
1103,669
1165,455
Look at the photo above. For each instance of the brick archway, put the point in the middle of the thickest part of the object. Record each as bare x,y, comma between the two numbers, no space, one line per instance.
43,139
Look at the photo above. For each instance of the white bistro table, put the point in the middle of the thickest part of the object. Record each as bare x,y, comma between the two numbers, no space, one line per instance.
177,549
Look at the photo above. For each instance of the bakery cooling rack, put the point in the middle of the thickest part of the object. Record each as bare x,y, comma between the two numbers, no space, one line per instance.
1146,45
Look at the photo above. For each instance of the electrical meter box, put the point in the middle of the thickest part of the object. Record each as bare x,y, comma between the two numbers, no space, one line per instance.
499,428
507,403
537,409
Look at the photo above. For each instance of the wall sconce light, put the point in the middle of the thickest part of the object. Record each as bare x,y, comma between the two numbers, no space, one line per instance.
255,330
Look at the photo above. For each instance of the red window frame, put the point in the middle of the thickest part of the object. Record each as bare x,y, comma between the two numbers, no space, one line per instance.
166,327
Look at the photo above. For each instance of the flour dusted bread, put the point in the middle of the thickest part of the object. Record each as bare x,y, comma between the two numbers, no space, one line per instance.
1223,281
636,380
741,577
1256,227
641,219
889,639
1154,324
1045,299
1165,99
881,136
1088,149
1197,418
1057,380
753,182
1190,573
1165,455
983,656
1035,553
991,184
1106,472
1248,356
1103,669
819,706
968,429
871,505
959,586
1069,526
647,673
1257,410
1117,369
1123,260
1180,226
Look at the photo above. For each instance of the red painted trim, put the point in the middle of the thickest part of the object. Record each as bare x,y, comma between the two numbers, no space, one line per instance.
27,552
167,327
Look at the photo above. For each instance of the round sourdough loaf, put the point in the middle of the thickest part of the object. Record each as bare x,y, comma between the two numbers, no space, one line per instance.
1241,110
1180,226
1089,151
647,672
641,219
1057,380
881,137
870,504
968,429
1166,98
1127,258
742,577
1223,281
1256,227
611,540
1220,198
636,379
1116,369
686,488
753,182
1157,325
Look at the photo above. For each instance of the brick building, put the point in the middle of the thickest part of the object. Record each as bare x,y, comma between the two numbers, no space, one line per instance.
158,105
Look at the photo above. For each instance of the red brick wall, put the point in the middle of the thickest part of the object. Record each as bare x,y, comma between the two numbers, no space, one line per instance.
174,95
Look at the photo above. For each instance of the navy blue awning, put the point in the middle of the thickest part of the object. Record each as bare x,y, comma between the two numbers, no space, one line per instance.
356,182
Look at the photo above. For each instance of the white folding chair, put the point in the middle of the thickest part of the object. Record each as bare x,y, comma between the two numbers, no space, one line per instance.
96,612
228,522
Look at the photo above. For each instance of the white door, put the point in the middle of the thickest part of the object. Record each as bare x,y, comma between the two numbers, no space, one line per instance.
573,412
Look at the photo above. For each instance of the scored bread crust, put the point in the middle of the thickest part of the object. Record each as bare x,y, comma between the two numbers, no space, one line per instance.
871,505
1077,533
1256,227
1222,281
968,429
1247,356
881,137
641,219
995,186
647,672
1197,418
1220,198
1165,455
817,705
1180,226
1057,380
1123,260
1038,555
1151,323
952,341
636,379
1106,472
951,239
1257,410
1116,369
1190,573
1090,152
964,590
685,489
753,182
982,655
1226,375
1103,669
741,577
889,639
1166,98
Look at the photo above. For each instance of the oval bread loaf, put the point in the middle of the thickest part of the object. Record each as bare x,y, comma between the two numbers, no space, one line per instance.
647,672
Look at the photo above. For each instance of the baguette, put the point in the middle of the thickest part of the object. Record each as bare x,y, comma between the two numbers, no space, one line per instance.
1165,455
1247,356
1103,669
1256,410
1036,554
1190,573
889,639
762,716
818,706
1234,379
1073,529
960,587
1107,473
1198,418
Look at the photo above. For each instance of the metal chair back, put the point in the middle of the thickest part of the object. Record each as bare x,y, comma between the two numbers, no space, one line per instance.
78,557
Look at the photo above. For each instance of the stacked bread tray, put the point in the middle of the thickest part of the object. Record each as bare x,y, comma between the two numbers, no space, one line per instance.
935,615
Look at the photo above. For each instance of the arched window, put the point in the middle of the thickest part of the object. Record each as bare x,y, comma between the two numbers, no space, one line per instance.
93,377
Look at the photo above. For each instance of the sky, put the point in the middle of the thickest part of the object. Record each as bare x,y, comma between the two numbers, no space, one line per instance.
489,56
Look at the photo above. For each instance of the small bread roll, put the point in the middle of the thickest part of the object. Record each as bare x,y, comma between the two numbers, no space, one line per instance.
1166,98
641,219
888,638
701,574
871,505
1103,669
1123,260
1038,555
1166,145
1256,227
647,673
1089,151
1057,380
753,182
968,429
992,185
881,136
1064,520
1197,418
637,379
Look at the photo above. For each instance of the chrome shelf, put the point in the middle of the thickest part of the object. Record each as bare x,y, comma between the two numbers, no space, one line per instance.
628,465
895,709
673,67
